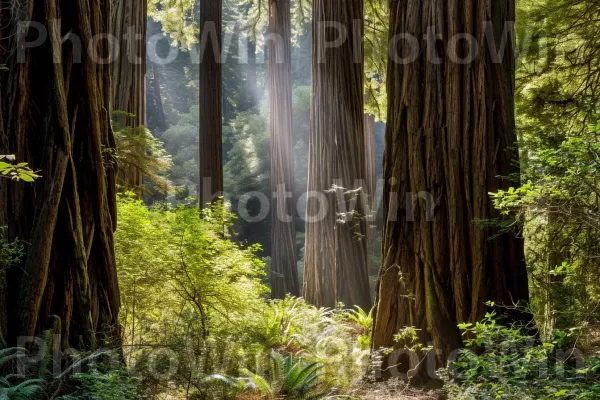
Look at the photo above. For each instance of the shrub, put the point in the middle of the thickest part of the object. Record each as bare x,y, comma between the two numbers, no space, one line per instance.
503,362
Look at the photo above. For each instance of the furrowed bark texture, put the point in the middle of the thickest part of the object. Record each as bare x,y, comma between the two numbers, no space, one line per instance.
211,106
129,25
451,134
58,122
336,267
284,275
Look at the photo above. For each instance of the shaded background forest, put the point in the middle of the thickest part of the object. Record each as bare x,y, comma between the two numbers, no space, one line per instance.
172,101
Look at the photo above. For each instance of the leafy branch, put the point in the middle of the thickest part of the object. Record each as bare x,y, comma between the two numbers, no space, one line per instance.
16,172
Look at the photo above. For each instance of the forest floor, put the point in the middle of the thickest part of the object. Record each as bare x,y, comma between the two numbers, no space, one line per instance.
393,390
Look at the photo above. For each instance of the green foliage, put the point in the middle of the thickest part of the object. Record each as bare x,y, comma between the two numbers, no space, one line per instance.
191,292
327,337
13,386
187,289
256,15
111,385
11,253
289,378
25,390
408,338
566,182
376,57
177,19
84,376
9,169
136,148
361,318
364,324
558,210
502,362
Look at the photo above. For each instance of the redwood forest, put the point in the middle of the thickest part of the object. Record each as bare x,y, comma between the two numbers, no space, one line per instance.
299,199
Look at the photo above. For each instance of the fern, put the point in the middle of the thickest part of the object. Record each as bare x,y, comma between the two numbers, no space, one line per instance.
46,360
294,380
26,389
361,318
260,383
301,380
39,378
137,148
22,388
10,354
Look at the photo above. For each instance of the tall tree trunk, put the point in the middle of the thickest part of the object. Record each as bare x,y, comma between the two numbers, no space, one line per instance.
251,73
59,123
336,267
370,184
284,275
211,103
128,89
450,138
156,99
557,254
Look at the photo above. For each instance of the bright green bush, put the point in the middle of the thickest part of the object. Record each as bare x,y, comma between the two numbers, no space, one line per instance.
557,210
194,303
187,291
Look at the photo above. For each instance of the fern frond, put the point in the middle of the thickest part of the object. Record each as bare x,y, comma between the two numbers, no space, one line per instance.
26,389
48,337
263,386
300,374
5,355
9,350
82,361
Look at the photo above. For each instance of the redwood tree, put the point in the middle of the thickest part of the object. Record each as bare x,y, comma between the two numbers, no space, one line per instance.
284,275
128,90
336,267
59,123
211,106
451,134
370,187
155,100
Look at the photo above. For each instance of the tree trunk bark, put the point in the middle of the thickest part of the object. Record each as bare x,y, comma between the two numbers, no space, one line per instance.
450,138
336,267
557,254
370,184
59,123
284,270
161,119
211,105
129,24
251,71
